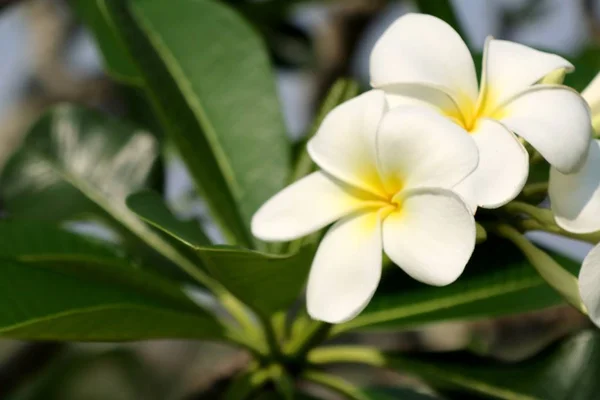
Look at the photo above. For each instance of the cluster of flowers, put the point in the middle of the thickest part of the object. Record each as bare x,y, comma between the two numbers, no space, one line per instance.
404,166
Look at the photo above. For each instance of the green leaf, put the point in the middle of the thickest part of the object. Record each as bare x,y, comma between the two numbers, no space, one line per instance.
267,283
72,157
497,281
77,164
566,370
216,99
394,393
151,208
117,59
58,286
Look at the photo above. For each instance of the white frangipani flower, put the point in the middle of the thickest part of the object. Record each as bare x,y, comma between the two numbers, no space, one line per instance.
589,284
421,59
575,197
385,178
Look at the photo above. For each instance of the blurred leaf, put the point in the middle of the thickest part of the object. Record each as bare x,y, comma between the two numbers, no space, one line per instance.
267,283
151,208
70,159
393,393
77,164
587,65
117,59
497,281
66,289
566,370
217,100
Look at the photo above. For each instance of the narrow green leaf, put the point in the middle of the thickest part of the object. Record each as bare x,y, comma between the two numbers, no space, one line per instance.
395,393
336,384
151,208
553,273
216,99
59,286
117,59
497,281
566,370
267,283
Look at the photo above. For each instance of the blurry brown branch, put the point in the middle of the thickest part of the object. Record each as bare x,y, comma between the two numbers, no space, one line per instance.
25,364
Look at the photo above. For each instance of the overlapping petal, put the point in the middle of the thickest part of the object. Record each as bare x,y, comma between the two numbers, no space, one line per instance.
575,198
503,167
346,269
555,120
589,284
431,237
509,68
422,49
418,147
344,145
306,206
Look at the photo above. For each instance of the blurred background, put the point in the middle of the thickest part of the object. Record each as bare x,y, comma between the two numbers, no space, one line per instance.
48,57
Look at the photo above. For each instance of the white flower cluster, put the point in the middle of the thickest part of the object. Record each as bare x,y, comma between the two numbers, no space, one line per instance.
404,166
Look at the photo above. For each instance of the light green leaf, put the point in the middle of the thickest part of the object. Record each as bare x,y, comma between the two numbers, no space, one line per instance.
151,208
216,99
117,59
267,283
58,286
497,281
566,370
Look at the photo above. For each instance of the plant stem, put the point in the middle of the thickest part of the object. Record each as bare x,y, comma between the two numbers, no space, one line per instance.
347,354
336,384
309,338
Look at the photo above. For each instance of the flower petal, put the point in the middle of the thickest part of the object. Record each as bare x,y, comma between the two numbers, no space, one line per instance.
346,269
422,49
509,68
306,206
502,170
555,120
418,147
431,237
591,94
575,198
589,284
403,94
344,145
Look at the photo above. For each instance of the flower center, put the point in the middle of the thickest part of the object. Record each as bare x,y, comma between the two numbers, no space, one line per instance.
469,113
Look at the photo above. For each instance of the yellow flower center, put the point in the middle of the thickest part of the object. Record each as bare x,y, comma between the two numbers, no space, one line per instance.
469,113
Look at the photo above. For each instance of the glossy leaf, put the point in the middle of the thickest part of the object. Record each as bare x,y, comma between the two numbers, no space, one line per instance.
58,286
151,208
497,281
566,370
117,59
216,99
267,283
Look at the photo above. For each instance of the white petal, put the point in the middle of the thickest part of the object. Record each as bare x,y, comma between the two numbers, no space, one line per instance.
422,49
509,68
346,269
555,120
344,145
306,206
404,94
418,147
575,198
502,170
431,237
591,94
589,284
467,191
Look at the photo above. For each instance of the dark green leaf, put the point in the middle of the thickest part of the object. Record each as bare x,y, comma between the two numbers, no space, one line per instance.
58,286
151,208
566,370
497,281
268,283
393,393
79,164
117,59
217,100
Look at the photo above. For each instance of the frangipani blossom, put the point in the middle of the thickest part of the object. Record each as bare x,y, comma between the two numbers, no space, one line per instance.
575,197
421,59
589,284
385,178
